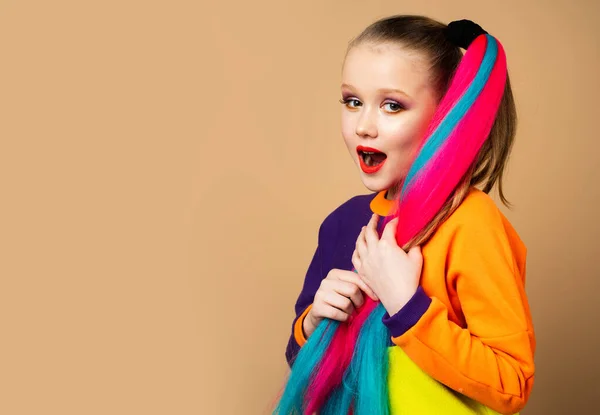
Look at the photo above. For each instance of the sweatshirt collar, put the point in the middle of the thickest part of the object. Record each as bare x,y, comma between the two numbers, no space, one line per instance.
380,205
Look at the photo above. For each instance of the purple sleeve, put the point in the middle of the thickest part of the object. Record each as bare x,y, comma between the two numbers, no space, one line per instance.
407,316
304,300
318,269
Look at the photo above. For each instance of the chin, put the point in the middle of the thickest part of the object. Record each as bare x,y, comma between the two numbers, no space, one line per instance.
374,184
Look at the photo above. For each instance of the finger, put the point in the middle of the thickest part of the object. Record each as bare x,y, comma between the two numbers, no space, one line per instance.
356,260
355,279
339,286
333,313
415,252
416,255
340,301
361,235
373,221
371,236
350,290
361,243
389,232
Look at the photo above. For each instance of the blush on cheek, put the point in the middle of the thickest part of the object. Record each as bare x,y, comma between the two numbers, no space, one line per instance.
348,127
349,141
346,132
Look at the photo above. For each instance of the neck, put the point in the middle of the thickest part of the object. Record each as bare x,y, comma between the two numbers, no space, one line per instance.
392,192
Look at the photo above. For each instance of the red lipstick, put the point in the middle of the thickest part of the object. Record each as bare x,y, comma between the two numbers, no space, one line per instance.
369,152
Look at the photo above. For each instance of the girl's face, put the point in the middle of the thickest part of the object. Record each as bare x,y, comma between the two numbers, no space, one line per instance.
388,104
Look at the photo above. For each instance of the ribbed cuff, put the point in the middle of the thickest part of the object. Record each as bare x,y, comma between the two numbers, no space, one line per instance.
407,316
298,330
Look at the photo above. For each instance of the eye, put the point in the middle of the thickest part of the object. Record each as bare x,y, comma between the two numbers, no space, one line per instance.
350,102
394,106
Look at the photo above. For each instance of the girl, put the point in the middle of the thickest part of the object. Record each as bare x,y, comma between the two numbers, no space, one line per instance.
423,310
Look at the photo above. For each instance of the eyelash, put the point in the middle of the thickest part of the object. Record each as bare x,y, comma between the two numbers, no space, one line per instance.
348,100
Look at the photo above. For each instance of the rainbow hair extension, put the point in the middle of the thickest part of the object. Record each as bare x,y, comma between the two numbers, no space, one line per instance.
331,373
343,367
455,142
292,400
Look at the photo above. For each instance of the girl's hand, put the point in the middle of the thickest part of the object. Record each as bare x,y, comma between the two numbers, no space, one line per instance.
339,294
392,273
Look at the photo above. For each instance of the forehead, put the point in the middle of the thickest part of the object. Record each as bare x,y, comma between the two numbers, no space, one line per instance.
369,67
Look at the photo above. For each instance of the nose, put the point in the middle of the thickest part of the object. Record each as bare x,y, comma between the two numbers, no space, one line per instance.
367,124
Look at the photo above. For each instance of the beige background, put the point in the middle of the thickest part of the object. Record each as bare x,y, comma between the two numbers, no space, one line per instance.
164,168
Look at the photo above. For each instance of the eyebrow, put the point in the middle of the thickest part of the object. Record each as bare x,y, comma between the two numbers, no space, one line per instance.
385,90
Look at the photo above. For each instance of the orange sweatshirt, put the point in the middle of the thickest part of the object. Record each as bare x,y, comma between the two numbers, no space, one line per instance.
468,325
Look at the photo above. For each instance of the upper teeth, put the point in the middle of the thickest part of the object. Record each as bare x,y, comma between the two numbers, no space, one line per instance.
369,152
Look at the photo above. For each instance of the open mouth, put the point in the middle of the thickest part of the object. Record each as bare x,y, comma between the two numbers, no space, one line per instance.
370,159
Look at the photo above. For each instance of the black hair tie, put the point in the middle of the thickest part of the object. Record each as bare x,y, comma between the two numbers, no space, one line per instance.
463,32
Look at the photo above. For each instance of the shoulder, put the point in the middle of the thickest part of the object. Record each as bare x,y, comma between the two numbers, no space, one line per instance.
479,220
478,211
355,209
477,208
354,204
